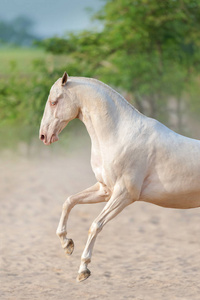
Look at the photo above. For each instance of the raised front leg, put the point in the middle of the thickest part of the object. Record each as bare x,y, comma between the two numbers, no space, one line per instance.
95,194
118,201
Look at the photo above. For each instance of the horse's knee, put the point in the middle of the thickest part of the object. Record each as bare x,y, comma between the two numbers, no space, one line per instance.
68,203
95,228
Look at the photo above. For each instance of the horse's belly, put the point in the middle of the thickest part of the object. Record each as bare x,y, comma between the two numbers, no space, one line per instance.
181,201
173,186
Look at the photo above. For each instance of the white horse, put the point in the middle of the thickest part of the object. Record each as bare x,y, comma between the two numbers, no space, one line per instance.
134,158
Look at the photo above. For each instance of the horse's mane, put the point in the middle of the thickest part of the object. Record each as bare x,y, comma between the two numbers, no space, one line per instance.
104,85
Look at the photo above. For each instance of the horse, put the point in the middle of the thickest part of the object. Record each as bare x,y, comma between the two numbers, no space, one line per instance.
134,157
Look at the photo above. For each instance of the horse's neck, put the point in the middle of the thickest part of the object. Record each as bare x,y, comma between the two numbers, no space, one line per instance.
103,110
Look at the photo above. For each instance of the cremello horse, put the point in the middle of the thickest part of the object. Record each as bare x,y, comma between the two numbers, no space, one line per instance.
134,158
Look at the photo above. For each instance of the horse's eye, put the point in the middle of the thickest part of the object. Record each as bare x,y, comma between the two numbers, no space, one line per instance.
53,103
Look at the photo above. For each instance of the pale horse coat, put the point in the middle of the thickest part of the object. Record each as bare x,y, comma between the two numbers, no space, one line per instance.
133,157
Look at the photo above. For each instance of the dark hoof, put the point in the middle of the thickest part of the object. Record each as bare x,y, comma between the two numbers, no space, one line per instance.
83,275
69,248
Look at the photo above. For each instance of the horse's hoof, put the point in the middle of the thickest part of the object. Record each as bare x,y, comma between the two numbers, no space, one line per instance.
69,248
83,275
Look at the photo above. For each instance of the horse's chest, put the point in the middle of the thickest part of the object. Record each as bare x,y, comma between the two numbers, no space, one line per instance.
101,169
97,167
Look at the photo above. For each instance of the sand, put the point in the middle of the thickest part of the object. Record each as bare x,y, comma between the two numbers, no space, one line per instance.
147,252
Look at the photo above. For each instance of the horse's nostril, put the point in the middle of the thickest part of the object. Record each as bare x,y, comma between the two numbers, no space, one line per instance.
42,137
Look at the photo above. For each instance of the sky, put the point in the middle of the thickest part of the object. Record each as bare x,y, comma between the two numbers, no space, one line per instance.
51,17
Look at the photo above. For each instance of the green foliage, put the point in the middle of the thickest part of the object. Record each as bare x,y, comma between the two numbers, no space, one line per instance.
149,48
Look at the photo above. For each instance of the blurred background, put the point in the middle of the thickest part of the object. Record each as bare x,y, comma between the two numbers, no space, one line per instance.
147,50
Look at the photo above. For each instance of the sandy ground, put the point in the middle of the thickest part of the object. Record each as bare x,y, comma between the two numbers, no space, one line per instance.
147,252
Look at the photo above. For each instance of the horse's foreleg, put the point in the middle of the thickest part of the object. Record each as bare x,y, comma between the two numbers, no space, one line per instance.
96,193
118,201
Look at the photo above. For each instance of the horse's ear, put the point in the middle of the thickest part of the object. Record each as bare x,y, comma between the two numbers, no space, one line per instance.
64,78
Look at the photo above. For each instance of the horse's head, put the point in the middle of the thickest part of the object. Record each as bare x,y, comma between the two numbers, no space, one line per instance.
59,110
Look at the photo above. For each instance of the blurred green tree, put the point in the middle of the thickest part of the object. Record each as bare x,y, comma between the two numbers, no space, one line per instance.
149,48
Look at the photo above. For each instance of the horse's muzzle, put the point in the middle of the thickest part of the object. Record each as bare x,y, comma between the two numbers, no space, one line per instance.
43,138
